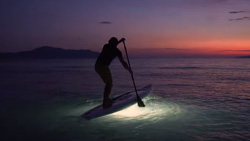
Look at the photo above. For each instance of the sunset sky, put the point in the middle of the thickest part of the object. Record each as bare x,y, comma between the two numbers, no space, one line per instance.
151,27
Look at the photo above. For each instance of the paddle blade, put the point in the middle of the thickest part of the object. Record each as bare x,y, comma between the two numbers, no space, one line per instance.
140,103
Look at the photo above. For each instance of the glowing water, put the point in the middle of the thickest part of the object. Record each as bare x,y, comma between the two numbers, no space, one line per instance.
155,109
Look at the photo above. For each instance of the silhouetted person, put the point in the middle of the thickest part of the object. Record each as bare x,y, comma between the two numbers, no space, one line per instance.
109,52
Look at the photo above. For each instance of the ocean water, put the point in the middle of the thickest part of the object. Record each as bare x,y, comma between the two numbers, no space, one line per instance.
193,99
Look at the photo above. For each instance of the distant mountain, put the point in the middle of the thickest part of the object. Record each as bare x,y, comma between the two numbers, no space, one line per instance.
47,52
243,57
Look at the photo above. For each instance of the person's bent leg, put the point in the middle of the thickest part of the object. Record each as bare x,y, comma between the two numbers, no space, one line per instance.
106,100
107,90
107,79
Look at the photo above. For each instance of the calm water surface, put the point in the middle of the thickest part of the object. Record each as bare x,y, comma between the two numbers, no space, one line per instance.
193,99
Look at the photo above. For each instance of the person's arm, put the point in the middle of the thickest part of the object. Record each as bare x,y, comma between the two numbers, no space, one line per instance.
124,64
122,40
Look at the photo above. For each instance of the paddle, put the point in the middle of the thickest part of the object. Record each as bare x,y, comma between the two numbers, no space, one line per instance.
139,101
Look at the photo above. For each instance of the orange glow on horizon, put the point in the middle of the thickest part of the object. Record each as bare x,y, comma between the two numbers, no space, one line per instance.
188,52
216,47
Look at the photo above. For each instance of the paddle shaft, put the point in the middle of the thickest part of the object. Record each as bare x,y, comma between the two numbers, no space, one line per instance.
132,76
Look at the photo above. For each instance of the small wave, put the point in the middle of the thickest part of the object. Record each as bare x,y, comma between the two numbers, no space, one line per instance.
184,85
89,102
240,78
73,67
236,68
182,68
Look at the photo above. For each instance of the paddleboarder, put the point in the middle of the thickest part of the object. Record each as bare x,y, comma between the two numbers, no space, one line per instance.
109,52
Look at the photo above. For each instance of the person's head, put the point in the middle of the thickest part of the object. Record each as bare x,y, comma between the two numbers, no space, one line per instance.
113,41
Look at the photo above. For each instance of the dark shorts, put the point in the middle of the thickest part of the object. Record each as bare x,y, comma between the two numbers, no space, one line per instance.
104,73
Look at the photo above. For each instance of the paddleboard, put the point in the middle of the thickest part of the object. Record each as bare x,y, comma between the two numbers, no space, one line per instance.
119,103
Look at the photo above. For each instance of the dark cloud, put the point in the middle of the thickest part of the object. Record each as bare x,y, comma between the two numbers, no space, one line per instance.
240,19
237,19
243,50
105,22
239,12
168,49
237,50
236,12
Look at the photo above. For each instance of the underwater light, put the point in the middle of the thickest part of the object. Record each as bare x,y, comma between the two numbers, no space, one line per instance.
155,109
132,111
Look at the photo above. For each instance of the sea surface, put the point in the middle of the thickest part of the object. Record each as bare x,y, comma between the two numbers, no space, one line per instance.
192,100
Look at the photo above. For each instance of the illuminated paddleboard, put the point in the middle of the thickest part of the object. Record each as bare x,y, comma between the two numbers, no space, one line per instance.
119,103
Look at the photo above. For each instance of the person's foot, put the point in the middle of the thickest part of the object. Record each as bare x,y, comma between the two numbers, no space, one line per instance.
107,103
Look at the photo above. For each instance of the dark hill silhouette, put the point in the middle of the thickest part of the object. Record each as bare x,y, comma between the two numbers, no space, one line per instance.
243,56
47,52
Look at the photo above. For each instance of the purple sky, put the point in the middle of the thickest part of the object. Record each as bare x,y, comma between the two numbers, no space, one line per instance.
88,24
